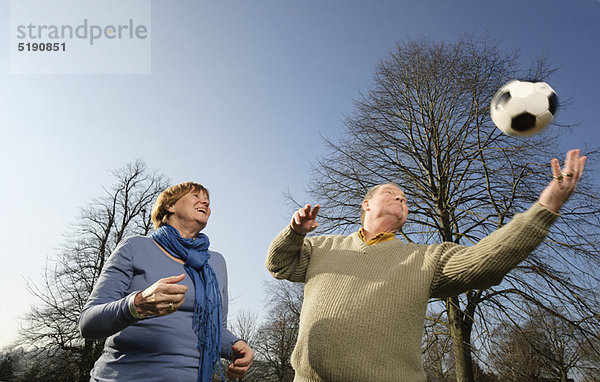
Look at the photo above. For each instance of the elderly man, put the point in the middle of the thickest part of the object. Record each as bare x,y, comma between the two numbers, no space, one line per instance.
366,294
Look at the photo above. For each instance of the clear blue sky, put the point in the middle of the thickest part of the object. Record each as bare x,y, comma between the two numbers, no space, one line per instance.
238,95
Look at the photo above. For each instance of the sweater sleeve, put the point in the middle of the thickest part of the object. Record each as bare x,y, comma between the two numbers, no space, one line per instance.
289,255
107,309
459,268
227,337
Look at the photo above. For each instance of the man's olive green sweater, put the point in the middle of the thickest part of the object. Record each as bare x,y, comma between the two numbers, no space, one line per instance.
364,306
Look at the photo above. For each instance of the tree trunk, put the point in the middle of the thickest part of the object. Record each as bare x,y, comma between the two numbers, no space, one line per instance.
563,376
90,352
461,342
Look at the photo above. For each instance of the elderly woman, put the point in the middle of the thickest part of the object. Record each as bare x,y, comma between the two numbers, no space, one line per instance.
161,301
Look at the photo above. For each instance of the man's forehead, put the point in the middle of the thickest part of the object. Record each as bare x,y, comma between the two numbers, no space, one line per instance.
391,187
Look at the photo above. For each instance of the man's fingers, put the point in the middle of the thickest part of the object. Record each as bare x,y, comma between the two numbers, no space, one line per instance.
556,172
305,211
578,163
571,161
303,220
582,161
315,211
574,165
565,180
302,213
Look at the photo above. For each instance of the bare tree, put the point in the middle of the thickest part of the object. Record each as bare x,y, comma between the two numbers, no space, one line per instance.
276,337
514,359
425,125
438,359
544,348
8,365
245,325
558,345
70,276
590,365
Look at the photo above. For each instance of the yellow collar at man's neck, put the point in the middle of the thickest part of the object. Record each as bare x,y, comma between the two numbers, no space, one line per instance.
379,238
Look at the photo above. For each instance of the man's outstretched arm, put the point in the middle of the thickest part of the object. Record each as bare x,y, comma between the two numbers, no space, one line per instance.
289,253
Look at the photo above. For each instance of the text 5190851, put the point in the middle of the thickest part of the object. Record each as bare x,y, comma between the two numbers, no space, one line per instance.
42,47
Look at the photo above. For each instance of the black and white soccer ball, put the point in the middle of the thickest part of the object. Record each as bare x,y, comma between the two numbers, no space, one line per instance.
523,108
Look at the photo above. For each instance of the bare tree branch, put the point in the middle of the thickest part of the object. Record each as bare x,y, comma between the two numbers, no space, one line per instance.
71,274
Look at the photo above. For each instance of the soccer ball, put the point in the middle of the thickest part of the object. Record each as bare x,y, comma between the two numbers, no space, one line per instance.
523,108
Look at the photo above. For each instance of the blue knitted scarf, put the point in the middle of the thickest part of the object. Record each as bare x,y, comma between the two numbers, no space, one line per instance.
207,304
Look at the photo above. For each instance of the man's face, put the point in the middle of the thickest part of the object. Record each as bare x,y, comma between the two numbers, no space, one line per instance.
387,201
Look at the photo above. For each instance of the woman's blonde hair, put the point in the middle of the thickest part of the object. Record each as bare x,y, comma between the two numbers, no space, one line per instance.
160,214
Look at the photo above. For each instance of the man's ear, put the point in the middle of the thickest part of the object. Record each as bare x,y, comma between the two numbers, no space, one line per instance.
171,209
365,205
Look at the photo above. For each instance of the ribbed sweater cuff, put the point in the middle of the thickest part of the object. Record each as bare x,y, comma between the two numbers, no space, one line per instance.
289,238
542,216
290,231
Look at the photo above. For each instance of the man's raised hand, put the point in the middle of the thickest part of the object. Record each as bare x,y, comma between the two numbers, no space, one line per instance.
304,220
562,186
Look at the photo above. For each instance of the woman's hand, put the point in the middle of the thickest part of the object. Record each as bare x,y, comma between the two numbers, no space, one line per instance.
161,298
242,356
